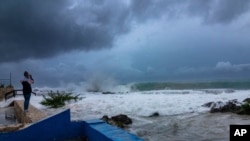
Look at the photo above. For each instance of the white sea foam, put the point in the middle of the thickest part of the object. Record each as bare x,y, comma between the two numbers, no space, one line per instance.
165,102
174,106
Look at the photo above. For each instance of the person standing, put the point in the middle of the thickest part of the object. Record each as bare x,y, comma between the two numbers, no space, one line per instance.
26,82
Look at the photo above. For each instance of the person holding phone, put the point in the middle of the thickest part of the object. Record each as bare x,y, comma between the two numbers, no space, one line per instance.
27,89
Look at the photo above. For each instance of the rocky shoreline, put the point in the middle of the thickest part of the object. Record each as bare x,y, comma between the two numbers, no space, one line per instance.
234,106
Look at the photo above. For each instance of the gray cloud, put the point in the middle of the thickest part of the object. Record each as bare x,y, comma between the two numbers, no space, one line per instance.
218,11
228,67
39,29
149,9
164,50
211,11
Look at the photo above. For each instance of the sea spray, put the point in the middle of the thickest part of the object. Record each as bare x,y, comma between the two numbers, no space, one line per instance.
99,82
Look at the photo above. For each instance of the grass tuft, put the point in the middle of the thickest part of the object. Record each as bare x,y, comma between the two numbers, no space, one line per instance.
57,99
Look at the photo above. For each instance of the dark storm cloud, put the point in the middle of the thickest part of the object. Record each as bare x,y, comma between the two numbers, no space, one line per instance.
147,9
211,11
219,11
43,28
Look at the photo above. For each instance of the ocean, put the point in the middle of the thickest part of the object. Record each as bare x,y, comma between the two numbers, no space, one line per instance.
179,106
191,85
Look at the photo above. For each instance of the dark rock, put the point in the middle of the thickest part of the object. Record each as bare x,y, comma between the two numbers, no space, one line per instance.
120,120
230,106
155,114
247,100
108,92
216,106
105,118
209,104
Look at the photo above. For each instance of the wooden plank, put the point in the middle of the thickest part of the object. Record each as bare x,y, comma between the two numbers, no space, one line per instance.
13,93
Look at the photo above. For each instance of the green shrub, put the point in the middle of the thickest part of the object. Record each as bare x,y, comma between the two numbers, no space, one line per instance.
57,99
245,108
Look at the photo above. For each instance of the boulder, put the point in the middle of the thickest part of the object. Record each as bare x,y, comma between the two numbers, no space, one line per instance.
120,120
155,114
230,106
105,118
108,92
247,100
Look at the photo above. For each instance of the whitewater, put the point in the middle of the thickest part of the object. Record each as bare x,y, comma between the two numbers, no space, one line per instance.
181,114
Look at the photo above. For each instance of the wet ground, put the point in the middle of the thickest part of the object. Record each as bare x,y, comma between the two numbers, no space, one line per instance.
201,127
7,116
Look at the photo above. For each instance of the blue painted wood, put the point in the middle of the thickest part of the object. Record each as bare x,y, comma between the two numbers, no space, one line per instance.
59,128
55,128
97,129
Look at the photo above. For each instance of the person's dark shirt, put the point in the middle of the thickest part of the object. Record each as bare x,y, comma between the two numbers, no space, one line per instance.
26,87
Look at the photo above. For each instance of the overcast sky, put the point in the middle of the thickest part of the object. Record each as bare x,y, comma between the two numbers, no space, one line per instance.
73,41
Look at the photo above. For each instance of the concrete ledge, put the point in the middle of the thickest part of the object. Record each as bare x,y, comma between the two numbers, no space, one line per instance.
11,128
33,115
